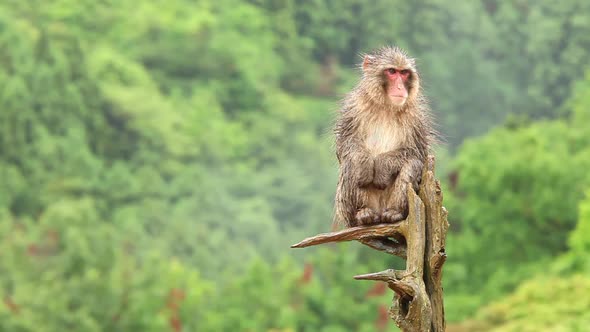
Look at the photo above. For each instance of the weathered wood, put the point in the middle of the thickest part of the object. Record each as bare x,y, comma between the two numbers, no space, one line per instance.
420,239
388,246
435,239
412,311
354,233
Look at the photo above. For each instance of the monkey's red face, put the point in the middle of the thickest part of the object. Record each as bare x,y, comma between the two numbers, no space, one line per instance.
397,82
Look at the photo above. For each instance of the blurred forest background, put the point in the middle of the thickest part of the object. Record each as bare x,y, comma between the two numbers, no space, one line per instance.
157,159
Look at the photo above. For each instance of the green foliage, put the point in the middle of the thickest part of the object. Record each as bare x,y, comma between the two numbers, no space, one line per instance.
527,27
550,302
56,274
515,200
580,238
284,298
542,304
516,183
157,158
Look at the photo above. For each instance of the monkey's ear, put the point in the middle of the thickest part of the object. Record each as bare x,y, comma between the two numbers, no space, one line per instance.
367,62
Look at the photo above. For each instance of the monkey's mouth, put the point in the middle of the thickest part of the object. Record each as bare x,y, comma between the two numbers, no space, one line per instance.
397,100
397,94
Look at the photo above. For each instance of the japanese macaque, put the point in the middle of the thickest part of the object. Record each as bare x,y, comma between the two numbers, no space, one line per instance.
383,136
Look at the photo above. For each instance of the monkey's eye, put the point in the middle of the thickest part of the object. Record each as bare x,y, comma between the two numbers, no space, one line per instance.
405,72
391,71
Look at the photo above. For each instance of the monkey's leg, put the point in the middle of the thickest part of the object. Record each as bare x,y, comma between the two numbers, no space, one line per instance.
351,205
355,203
368,205
360,211
396,208
342,204
367,216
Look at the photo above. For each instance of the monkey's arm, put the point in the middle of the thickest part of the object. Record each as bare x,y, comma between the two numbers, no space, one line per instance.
414,166
409,158
355,161
388,165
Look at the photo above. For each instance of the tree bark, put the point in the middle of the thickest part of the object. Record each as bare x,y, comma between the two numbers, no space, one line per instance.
418,301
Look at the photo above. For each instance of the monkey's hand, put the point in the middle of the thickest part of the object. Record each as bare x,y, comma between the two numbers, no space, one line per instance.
386,170
415,180
364,171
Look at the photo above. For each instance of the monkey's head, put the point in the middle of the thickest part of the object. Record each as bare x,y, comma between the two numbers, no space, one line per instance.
390,77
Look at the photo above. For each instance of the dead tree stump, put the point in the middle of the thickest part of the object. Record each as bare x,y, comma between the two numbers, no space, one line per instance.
420,239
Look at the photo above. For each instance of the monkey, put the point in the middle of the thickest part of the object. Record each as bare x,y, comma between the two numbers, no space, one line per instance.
383,134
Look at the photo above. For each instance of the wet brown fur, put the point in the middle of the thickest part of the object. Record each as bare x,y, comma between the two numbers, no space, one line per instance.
381,148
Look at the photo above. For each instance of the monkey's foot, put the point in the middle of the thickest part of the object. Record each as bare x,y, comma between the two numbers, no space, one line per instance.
391,216
367,216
